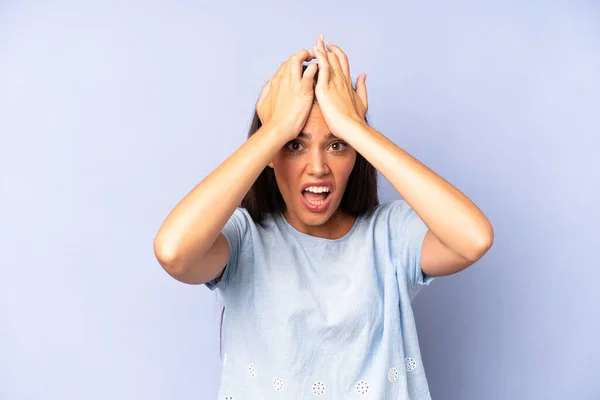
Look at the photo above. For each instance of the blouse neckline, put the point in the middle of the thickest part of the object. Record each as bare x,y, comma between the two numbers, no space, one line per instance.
317,239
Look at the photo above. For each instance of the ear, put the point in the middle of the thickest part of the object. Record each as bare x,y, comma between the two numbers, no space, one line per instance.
271,165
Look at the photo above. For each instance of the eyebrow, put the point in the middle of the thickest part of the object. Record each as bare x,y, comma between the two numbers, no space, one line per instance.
304,135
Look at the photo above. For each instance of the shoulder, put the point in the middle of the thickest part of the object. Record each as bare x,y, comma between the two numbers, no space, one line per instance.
388,211
239,227
242,222
397,222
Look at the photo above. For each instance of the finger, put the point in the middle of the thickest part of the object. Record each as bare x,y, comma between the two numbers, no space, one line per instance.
361,89
280,70
296,62
310,56
334,61
342,58
309,76
321,44
334,64
323,64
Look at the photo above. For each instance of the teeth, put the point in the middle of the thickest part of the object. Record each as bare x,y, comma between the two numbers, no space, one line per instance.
317,189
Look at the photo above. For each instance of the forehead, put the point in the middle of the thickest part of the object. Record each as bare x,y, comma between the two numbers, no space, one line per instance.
315,126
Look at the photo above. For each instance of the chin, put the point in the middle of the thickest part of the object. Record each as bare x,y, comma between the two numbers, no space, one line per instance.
316,217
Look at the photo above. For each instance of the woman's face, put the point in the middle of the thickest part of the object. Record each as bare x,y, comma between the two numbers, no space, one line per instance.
319,158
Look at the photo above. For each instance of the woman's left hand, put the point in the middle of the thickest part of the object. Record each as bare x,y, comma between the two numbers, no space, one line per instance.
340,104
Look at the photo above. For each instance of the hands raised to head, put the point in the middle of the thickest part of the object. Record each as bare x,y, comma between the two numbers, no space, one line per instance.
287,98
339,102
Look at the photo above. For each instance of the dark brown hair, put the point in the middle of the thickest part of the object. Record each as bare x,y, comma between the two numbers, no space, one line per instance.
264,197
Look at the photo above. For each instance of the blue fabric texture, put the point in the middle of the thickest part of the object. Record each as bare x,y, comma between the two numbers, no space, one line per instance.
310,317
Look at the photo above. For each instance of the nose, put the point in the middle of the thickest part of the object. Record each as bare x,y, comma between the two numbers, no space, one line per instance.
317,163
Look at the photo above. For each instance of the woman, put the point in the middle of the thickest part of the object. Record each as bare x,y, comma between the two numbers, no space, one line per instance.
317,277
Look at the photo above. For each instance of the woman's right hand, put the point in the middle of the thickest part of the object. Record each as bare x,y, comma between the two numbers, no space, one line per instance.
286,100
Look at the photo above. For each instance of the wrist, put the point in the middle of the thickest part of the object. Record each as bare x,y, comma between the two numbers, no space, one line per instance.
277,133
281,131
351,126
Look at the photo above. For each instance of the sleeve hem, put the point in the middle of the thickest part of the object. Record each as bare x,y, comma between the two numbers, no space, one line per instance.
421,278
217,284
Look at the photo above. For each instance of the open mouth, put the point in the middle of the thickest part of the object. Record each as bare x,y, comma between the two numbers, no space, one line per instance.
316,201
315,197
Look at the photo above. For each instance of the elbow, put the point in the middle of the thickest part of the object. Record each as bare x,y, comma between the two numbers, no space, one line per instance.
479,244
487,240
166,257
483,244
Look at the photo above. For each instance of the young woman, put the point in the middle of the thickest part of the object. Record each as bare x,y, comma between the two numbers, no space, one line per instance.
316,276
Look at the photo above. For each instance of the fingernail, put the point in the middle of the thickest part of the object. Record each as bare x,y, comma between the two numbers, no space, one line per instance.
321,37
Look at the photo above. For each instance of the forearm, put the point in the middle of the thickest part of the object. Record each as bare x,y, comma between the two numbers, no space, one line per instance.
195,223
454,219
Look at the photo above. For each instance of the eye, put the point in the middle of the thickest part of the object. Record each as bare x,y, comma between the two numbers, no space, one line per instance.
339,144
293,146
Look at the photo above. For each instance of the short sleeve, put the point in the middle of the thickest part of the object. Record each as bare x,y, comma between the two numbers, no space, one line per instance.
407,233
236,232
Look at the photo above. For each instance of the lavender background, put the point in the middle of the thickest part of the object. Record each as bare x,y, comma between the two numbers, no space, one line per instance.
110,112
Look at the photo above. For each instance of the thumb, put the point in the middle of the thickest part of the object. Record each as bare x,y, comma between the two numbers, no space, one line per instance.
361,89
265,90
